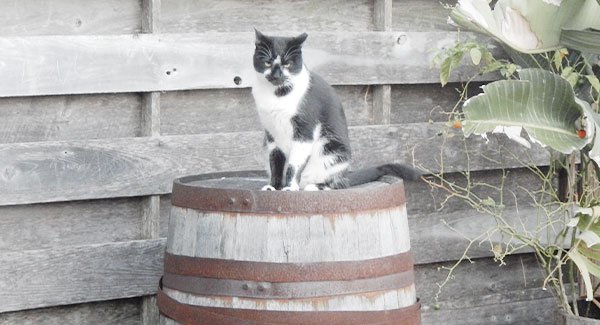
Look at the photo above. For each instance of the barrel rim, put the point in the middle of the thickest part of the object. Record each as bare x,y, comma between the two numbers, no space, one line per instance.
349,200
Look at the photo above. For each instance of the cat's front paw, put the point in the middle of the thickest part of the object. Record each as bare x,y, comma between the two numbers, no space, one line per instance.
267,188
311,187
292,187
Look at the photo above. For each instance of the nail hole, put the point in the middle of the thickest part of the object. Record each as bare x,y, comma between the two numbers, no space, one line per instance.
168,73
401,39
174,69
237,80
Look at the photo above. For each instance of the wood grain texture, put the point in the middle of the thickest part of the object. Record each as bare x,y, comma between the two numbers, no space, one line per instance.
289,239
483,292
145,62
382,15
382,105
527,311
150,114
55,225
75,274
190,16
426,102
421,15
114,312
67,17
74,170
444,236
233,110
26,119
424,200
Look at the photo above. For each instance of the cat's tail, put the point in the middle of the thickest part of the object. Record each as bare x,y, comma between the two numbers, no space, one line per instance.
372,174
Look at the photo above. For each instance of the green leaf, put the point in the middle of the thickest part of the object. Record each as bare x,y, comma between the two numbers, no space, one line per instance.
531,26
582,40
585,268
541,102
448,65
475,55
594,81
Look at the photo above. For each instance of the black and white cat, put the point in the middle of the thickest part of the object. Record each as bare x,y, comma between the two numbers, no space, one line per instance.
306,134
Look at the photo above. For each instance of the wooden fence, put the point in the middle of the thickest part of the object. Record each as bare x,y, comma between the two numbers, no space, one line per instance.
104,103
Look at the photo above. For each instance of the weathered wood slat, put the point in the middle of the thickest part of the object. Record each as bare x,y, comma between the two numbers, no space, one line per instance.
41,278
192,16
73,170
115,312
232,110
25,119
54,225
532,311
36,66
483,292
95,272
67,17
421,15
434,241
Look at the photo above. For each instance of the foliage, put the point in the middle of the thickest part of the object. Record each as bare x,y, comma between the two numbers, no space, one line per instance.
549,97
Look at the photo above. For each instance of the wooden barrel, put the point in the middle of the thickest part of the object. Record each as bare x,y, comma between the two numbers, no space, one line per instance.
238,255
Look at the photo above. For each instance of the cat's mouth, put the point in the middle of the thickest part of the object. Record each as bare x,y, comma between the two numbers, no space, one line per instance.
276,81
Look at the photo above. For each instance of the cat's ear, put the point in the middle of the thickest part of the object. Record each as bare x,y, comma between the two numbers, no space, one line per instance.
260,37
298,40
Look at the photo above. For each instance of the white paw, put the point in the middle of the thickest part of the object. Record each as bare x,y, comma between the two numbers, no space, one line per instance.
267,188
293,187
311,187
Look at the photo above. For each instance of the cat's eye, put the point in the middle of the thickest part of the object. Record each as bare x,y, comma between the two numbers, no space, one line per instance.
287,65
267,64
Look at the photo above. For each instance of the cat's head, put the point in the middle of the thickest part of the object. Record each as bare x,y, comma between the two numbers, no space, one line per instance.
278,58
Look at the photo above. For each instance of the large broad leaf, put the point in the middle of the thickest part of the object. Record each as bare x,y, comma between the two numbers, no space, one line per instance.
540,102
582,40
531,26
586,267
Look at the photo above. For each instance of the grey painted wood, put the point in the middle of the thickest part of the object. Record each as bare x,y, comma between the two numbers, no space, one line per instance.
233,110
382,105
146,62
192,16
529,311
78,117
67,17
55,225
75,274
434,241
151,16
483,292
382,15
421,15
424,200
382,100
72,170
428,102
114,312
482,286
150,114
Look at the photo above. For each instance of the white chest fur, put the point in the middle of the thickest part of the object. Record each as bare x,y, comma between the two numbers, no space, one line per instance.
275,112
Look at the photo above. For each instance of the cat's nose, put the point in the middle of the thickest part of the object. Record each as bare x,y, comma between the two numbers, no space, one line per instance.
276,72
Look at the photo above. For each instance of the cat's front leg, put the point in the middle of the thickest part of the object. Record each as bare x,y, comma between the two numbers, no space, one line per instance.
299,155
276,164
